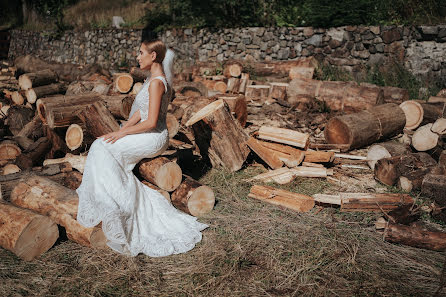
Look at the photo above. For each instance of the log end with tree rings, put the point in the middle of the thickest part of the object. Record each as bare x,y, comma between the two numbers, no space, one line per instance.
168,176
220,86
10,169
172,125
193,197
414,113
424,139
31,96
136,88
123,82
9,150
74,136
25,82
337,132
375,153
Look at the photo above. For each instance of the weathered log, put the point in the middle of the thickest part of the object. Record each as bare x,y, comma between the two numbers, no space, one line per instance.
415,236
161,191
161,172
434,186
336,95
219,136
264,153
233,85
122,82
193,198
366,127
237,106
286,175
9,150
138,74
278,90
385,150
76,161
301,72
25,233
434,99
291,156
391,94
285,136
97,119
35,154
280,68
118,105
10,169
85,87
243,83
294,201
173,126
232,69
32,129
18,117
373,201
418,113
215,85
17,97
33,94
412,166
47,197
192,107
257,92
36,79
191,89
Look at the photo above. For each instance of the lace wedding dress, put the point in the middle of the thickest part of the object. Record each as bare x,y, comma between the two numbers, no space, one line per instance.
135,219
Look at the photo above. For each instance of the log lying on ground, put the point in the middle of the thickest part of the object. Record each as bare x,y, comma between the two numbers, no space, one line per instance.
285,136
391,94
193,198
35,154
10,169
161,191
76,161
161,172
219,136
33,94
292,157
77,136
412,166
341,96
232,69
25,233
97,119
215,85
294,201
36,79
418,113
46,197
17,97
386,150
280,68
122,82
9,150
415,236
264,153
366,127
319,156
434,99
434,186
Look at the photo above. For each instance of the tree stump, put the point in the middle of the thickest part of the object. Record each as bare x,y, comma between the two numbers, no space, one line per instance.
193,198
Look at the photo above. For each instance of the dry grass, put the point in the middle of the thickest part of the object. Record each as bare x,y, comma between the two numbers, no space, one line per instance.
88,14
250,249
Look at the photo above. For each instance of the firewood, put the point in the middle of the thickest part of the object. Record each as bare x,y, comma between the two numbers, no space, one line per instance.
161,172
23,142
280,68
161,191
136,88
291,156
243,83
10,169
434,186
439,126
77,136
33,94
294,201
415,236
9,150
25,233
373,201
18,117
17,97
278,90
233,85
191,108
35,154
312,171
366,127
122,82
342,96
385,150
191,89
138,74
329,146
76,161
172,125
215,85
419,113
391,94
34,127
97,119
434,99
264,153
424,139
281,176
257,92
285,136
85,87
219,136
193,198
232,69
118,105
309,164
36,79
412,166
301,72
47,197
319,156
237,106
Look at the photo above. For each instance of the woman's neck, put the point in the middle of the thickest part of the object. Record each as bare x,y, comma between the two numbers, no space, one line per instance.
156,70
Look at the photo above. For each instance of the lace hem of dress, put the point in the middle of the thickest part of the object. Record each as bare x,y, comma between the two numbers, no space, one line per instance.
116,225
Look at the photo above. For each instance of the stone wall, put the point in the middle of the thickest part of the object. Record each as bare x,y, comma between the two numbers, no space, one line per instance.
421,49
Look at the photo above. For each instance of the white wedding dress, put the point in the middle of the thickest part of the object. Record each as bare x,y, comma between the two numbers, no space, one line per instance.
135,219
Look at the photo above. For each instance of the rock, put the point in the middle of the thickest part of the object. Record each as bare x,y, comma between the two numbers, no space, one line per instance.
315,40
391,35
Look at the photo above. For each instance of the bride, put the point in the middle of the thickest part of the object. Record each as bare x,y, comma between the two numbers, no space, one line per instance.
136,219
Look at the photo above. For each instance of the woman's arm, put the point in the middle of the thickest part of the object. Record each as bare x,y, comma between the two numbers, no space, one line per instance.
134,119
156,91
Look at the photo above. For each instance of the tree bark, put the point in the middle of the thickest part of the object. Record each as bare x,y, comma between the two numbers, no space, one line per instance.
32,94
294,201
97,119
366,127
36,79
257,92
9,150
415,236
434,186
161,172
25,233
386,150
193,198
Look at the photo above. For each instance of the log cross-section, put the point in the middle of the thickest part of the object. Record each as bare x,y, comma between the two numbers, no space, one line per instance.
193,198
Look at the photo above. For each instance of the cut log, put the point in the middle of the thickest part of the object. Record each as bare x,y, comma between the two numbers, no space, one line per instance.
32,128
366,127
36,79
77,136
336,95
172,125
136,88
18,117
373,201
243,83
391,94
264,153
301,72
191,108
386,150
216,85
58,145
412,166
285,136
33,94
76,161
232,69
9,150
237,106
122,82
415,236
442,93
138,74
280,68
35,154
433,112
119,105
434,186
47,197
10,169
191,89
424,139
294,201
161,191
434,99
193,198
419,113
25,233
286,175
290,156
219,136
439,126
97,119
319,156
85,87
17,97
278,90
257,92
233,85
161,172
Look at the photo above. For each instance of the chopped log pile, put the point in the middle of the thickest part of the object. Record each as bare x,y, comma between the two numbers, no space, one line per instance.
50,116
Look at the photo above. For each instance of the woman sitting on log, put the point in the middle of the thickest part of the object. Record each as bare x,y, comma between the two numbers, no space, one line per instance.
135,218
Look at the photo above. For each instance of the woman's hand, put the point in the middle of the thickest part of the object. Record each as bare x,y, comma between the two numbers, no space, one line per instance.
113,136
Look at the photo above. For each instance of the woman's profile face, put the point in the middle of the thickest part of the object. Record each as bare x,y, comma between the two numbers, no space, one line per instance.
145,59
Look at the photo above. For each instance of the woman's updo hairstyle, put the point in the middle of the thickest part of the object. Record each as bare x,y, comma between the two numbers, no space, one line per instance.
156,46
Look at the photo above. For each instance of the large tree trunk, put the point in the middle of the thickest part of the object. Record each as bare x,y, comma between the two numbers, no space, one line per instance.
36,79
337,95
415,236
193,198
97,119
48,198
418,113
220,136
25,233
161,172
294,201
366,127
